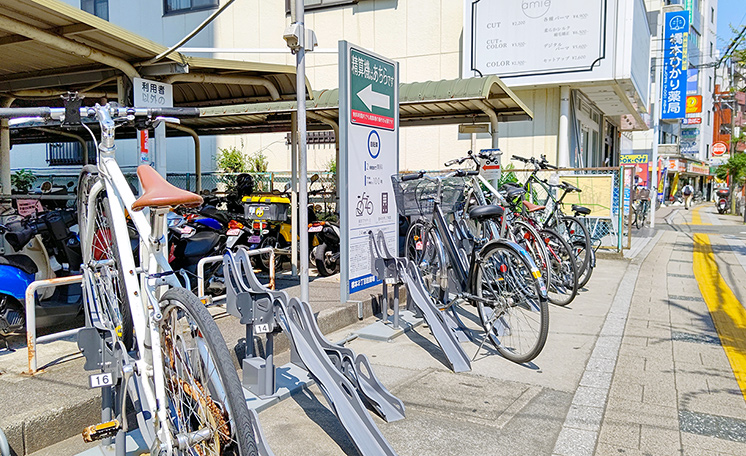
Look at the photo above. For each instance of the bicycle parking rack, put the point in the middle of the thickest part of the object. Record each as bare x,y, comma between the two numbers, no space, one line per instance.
343,376
397,271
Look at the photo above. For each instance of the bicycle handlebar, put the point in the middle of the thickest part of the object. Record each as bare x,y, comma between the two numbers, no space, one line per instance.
114,111
412,176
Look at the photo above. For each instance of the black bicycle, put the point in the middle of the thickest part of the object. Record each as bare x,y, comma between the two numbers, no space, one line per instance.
496,276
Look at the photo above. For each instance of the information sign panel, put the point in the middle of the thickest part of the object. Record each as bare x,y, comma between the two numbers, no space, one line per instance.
152,94
675,64
369,155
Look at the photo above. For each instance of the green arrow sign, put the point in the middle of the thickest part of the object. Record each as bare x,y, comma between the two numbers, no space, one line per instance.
372,92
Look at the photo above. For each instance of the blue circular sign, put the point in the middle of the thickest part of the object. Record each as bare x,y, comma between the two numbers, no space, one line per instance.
374,144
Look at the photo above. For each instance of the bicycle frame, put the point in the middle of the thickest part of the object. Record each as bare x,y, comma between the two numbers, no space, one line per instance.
140,284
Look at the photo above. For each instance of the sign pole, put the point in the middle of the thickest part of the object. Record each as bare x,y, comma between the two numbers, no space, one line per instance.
303,168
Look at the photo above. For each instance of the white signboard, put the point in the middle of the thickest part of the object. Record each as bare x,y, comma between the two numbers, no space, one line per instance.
369,155
530,37
152,94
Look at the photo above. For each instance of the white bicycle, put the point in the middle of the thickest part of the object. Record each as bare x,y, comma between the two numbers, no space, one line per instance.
151,341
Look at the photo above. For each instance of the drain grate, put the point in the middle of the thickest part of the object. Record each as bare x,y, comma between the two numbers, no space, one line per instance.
695,338
686,298
721,427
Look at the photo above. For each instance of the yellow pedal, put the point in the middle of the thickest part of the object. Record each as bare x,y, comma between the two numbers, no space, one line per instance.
101,431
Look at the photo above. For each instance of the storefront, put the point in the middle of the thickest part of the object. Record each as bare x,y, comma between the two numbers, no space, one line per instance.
681,171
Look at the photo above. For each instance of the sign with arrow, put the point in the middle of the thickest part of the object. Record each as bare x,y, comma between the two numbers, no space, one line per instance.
368,156
372,85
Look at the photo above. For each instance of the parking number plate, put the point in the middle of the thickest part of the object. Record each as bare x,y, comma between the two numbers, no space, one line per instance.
262,328
100,380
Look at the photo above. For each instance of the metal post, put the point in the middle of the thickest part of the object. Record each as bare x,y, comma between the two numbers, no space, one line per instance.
303,182
31,316
656,119
563,138
160,148
294,192
5,156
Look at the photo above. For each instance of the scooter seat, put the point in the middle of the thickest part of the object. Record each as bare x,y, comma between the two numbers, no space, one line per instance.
201,244
21,262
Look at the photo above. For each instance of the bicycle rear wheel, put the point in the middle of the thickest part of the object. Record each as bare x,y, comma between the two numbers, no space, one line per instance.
206,401
527,237
580,241
564,281
422,246
512,306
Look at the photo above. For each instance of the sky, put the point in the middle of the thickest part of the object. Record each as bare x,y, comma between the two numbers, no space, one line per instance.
730,13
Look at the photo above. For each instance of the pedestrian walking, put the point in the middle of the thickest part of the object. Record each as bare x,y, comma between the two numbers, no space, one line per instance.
687,191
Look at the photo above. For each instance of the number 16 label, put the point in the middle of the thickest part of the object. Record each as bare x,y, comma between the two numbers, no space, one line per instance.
100,380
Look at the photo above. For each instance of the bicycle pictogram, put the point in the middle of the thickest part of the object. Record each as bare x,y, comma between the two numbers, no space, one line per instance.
364,204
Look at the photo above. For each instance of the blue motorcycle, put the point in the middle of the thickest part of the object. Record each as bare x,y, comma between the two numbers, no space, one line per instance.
39,247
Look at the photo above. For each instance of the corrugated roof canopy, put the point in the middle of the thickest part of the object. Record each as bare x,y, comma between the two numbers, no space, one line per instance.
420,103
49,47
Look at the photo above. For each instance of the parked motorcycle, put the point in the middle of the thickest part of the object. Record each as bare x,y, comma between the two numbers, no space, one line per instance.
723,194
38,247
190,240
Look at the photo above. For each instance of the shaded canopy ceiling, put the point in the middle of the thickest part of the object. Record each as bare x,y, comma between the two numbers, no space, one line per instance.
48,47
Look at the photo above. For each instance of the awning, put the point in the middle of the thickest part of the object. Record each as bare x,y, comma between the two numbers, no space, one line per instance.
49,47
420,103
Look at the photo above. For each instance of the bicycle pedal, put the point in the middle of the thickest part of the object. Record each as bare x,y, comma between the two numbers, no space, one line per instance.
101,431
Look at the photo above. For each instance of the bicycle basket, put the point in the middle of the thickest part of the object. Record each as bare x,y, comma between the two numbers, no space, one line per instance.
417,197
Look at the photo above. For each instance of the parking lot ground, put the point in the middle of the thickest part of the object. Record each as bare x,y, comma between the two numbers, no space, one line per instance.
642,362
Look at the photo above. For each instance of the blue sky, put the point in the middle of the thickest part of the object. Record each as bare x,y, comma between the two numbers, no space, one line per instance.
730,13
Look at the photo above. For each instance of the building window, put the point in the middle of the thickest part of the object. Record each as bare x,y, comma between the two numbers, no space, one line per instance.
185,6
709,86
708,117
712,15
69,153
98,8
712,50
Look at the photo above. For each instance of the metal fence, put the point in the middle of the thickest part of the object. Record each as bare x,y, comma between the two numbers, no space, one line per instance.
601,190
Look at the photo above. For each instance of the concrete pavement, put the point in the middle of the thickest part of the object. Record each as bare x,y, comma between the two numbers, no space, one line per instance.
644,362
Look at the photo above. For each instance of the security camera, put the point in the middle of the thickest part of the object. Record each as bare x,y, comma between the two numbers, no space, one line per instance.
293,37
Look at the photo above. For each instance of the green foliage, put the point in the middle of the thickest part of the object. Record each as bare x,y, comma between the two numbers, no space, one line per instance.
331,166
257,162
507,175
22,180
734,167
232,160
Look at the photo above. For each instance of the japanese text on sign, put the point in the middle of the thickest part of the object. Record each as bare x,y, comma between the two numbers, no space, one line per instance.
361,67
675,64
152,94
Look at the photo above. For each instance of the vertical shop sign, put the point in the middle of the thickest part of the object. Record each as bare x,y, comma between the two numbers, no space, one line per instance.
675,65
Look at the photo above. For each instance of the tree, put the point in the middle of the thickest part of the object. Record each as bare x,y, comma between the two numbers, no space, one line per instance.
22,180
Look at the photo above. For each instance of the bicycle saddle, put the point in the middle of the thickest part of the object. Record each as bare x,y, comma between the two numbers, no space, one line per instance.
580,209
482,213
531,207
512,193
158,193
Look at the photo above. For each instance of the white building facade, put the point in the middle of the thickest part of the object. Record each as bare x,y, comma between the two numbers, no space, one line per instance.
582,115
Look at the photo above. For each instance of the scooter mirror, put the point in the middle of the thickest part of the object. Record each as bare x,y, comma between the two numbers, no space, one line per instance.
287,186
46,187
314,178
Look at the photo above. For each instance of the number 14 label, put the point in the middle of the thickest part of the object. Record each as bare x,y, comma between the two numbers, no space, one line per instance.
100,380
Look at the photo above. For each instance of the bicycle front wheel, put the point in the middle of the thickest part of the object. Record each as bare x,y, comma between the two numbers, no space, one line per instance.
563,286
512,306
205,399
577,236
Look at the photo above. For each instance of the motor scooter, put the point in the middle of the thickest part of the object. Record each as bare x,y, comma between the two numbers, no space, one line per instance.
723,194
38,247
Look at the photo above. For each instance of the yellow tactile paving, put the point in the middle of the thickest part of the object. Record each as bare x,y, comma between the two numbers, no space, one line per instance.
727,312
696,218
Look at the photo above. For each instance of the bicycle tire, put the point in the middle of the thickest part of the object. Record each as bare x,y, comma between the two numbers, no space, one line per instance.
580,242
586,275
525,235
109,278
564,284
233,436
519,311
427,257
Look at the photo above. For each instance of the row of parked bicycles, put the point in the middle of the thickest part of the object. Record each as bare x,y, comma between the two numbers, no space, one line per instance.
497,249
